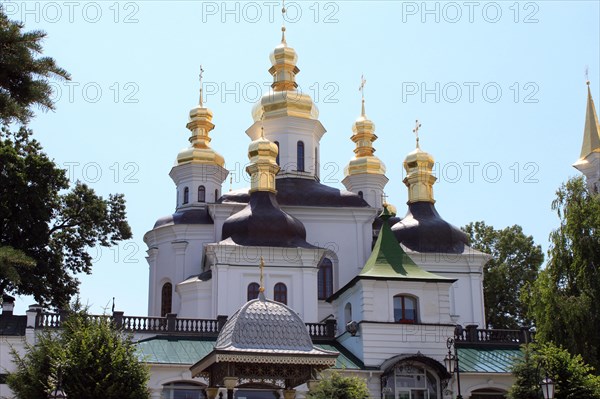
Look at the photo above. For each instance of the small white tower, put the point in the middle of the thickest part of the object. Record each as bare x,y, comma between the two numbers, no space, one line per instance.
199,172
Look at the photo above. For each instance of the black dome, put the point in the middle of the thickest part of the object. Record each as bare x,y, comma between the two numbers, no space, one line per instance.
424,230
263,223
303,192
188,216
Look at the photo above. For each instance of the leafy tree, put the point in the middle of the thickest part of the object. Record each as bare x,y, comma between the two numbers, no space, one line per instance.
564,300
572,377
46,229
515,263
89,358
336,386
24,77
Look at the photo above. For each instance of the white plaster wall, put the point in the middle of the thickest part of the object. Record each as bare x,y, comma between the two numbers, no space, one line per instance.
371,185
381,341
177,255
466,304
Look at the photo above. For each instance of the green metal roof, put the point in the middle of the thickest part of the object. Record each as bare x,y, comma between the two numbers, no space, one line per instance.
167,350
388,259
343,361
182,350
482,360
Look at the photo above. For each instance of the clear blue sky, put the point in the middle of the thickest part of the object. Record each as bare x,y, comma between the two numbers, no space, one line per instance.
498,86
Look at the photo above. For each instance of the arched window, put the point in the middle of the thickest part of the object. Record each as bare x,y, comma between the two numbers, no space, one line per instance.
166,299
186,195
360,194
201,194
280,293
253,289
277,144
325,279
186,390
348,313
405,309
300,156
216,194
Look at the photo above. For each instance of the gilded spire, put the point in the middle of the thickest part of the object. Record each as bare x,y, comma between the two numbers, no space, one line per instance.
262,282
283,11
201,100
591,131
361,88
263,166
363,136
419,173
200,124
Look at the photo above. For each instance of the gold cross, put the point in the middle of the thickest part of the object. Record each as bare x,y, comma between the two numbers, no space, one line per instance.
201,73
587,75
361,88
262,266
416,131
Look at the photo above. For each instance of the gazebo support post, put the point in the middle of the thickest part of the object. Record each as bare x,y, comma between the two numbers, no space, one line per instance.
230,383
211,393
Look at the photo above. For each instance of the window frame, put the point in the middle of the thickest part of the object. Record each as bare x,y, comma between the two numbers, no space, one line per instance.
252,288
325,279
166,300
300,156
201,190
404,319
280,290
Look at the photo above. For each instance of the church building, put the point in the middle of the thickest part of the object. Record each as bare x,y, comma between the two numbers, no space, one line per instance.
247,301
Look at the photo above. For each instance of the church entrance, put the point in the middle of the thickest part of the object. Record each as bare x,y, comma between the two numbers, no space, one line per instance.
488,394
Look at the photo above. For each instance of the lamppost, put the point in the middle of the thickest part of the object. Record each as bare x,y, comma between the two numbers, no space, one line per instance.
451,361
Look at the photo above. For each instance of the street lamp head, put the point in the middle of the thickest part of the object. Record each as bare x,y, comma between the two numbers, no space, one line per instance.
547,386
450,363
57,394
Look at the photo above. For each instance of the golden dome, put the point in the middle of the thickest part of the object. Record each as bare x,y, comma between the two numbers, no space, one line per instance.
284,99
263,165
363,136
419,176
200,124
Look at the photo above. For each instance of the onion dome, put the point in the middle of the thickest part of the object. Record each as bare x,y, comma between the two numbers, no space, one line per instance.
262,222
363,136
423,229
263,164
284,99
200,124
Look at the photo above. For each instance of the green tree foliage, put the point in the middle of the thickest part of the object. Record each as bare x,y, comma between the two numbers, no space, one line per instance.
573,378
24,76
336,386
515,263
47,228
89,357
564,300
